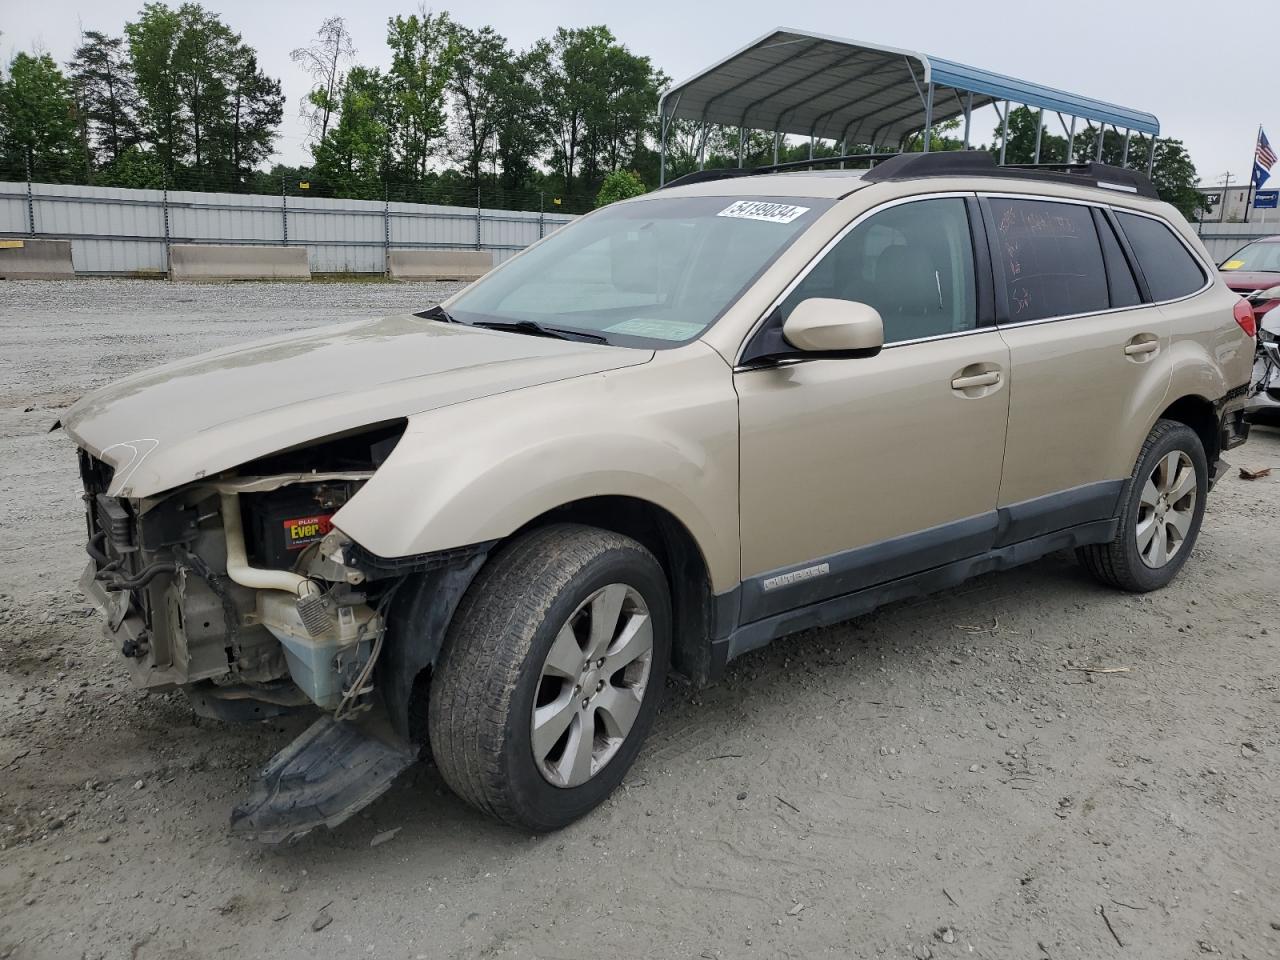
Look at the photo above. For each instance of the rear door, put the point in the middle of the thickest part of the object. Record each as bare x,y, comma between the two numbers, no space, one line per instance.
1088,356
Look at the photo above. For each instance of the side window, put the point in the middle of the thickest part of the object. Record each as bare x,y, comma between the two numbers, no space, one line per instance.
1050,258
1171,270
1120,282
913,262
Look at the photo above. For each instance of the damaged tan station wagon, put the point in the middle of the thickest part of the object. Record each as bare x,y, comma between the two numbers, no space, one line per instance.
679,428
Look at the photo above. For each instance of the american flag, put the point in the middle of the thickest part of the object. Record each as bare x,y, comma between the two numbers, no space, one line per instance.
1264,158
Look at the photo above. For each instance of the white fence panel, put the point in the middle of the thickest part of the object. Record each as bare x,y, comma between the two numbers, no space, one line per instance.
1224,239
120,231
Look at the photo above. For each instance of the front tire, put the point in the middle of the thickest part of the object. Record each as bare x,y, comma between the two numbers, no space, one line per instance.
1160,516
551,675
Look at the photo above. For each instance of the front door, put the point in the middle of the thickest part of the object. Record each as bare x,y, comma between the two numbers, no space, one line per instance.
859,471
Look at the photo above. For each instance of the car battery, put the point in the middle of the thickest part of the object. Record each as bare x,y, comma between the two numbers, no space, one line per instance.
283,523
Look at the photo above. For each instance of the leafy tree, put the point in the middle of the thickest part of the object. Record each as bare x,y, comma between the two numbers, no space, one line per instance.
136,168
354,156
324,58
618,116
39,126
620,185
103,83
203,61
153,40
570,65
206,107
1173,174
423,51
1021,147
521,119
478,81
256,107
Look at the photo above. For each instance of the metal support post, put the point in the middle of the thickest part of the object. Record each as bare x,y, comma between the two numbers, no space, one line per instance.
928,116
1004,132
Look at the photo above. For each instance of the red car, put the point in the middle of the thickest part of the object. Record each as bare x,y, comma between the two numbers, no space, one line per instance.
1253,271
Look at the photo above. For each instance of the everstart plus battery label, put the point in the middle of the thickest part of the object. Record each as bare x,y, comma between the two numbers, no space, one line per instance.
306,530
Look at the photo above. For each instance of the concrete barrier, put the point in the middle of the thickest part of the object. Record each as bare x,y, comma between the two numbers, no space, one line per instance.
439,264
209,261
29,259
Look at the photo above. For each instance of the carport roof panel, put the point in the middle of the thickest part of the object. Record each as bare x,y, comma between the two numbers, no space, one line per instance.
811,84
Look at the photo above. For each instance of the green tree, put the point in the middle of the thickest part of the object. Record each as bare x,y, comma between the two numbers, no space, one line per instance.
478,81
1173,174
619,115
203,61
256,107
423,50
103,84
325,59
1021,147
354,156
571,74
136,168
521,120
153,41
620,185
39,125
207,110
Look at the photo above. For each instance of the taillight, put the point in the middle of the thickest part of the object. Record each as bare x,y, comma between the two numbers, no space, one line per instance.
1243,312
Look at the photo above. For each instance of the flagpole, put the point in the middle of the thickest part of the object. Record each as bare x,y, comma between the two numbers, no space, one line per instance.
1253,175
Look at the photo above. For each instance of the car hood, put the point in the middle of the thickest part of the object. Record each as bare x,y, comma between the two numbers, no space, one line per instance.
1243,281
183,421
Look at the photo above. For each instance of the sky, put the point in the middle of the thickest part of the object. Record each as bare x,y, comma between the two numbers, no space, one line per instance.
1178,59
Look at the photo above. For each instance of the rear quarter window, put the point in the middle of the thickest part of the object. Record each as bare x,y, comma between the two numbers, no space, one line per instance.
1169,267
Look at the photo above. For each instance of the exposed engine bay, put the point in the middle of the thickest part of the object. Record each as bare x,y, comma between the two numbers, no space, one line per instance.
240,592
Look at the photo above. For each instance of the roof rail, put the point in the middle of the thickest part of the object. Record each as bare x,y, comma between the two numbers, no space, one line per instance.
725,173
979,163
948,163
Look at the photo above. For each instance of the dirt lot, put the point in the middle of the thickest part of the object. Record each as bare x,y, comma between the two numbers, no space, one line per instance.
940,779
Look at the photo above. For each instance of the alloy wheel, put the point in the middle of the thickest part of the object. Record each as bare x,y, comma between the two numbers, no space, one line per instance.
592,685
1166,508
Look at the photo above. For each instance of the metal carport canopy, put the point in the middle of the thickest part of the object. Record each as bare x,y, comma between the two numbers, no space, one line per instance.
791,81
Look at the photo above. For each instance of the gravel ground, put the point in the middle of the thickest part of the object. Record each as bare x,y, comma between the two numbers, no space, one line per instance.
940,779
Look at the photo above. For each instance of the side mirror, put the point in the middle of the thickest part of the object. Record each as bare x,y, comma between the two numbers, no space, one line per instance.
834,328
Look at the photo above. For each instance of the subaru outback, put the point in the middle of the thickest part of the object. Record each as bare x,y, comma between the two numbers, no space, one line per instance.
670,432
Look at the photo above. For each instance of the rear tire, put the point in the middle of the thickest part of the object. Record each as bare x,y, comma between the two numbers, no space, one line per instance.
533,666
1160,516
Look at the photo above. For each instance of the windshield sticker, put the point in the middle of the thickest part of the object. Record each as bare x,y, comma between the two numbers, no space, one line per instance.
656,329
756,210
1233,265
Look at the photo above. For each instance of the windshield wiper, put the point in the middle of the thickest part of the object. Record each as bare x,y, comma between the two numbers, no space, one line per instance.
535,329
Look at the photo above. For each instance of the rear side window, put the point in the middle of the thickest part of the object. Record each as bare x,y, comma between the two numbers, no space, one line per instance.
1170,269
1050,258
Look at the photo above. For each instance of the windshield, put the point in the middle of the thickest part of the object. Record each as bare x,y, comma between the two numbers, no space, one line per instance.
1256,257
653,273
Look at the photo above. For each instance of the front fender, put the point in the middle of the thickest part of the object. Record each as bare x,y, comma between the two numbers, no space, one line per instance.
664,432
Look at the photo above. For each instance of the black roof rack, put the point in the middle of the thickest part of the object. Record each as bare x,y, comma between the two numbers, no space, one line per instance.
951,163
979,163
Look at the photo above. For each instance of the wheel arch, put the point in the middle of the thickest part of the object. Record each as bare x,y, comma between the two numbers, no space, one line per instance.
427,610
1201,415
693,602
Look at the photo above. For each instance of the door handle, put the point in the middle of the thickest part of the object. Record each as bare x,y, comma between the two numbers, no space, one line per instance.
989,379
1141,348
